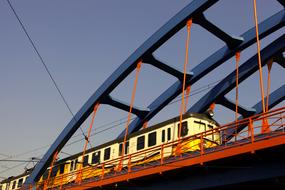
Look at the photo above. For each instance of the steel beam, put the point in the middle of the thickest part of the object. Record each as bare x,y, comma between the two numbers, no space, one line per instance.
125,106
230,104
216,59
231,42
147,48
217,93
152,60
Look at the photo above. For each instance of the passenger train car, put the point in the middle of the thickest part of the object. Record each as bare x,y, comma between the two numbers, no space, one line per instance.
105,158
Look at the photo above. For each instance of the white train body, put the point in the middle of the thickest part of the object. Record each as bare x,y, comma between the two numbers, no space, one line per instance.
162,133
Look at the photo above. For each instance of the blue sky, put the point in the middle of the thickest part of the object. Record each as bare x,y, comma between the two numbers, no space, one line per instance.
82,43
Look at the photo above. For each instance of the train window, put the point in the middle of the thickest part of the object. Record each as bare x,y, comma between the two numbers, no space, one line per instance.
20,182
85,160
211,128
163,136
71,165
61,169
152,139
54,171
75,164
140,143
107,153
96,157
184,129
120,149
202,126
168,134
126,148
14,185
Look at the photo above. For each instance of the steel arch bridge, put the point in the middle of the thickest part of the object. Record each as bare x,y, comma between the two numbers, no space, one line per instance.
144,53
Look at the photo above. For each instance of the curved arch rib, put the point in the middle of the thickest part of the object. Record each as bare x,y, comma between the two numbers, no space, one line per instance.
217,93
145,51
216,59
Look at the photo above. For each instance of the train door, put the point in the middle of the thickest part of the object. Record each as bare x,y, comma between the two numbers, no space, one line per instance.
123,153
166,138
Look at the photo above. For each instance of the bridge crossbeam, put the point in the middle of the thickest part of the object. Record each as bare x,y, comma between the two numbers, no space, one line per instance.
151,59
140,112
230,104
218,92
232,42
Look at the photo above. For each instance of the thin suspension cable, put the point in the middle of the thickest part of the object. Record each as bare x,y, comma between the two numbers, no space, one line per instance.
50,170
79,176
13,167
131,108
43,62
7,160
237,82
269,66
197,91
188,89
259,56
122,121
265,127
189,23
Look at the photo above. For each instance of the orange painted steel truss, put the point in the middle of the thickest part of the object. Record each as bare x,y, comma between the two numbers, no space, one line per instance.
249,140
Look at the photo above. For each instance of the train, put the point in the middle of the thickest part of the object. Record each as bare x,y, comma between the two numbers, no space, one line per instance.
151,144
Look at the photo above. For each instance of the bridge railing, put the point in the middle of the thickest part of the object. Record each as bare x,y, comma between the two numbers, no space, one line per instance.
197,145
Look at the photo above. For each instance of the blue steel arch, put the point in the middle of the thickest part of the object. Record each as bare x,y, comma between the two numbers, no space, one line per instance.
145,52
217,93
216,59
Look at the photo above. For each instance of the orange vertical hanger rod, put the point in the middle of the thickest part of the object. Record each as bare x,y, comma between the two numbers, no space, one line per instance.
265,125
130,112
182,106
259,56
50,170
237,82
269,66
212,106
189,24
264,128
79,176
188,89
145,125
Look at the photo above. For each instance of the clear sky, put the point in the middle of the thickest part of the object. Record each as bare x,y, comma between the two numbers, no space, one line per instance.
82,43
